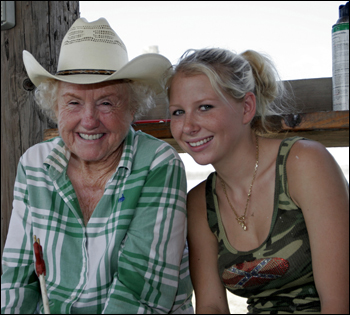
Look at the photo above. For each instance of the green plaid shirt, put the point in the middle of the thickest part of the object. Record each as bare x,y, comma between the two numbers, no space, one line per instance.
130,258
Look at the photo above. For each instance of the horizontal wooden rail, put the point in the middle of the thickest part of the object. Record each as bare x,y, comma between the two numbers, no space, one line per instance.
319,120
313,102
330,128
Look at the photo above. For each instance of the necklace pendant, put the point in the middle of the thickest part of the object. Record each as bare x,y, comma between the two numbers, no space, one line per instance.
241,219
242,223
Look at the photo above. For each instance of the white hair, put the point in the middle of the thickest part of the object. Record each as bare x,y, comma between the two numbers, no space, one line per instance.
141,97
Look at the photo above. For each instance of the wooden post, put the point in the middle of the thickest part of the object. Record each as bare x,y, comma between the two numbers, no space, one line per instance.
40,28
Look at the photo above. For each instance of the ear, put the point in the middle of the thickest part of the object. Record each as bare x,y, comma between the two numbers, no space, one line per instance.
55,110
249,107
132,115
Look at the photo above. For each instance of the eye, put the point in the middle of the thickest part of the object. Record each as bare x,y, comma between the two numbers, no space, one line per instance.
205,107
106,103
73,103
178,112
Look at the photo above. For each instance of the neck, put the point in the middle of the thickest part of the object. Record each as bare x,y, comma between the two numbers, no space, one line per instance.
238,166
94,173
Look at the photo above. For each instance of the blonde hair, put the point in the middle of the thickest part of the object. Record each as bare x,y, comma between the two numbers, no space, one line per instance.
237,74
141,97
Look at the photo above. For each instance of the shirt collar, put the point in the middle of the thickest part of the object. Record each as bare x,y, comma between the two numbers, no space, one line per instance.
57,161
129,151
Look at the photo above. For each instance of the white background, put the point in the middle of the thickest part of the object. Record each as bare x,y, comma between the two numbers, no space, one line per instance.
296,34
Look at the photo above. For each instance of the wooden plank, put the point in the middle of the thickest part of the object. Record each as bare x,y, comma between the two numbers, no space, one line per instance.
329,138
329,128
318,120
311,95
158,130
40,28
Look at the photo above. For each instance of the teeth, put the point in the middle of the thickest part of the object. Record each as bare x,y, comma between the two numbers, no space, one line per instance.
91,137
196,144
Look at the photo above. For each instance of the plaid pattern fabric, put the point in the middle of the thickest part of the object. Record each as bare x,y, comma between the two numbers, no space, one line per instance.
130,258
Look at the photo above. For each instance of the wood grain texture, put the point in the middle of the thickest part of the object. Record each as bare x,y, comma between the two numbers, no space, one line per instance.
329,128
40,28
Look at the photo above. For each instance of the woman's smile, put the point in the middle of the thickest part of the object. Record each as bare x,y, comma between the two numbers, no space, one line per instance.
96,136
200,143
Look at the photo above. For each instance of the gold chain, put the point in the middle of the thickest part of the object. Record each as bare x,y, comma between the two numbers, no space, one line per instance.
241,219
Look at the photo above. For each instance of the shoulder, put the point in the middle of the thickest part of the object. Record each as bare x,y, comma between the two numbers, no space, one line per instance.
196,200
153,149
198,192
146,142
311,169
37,154
307,154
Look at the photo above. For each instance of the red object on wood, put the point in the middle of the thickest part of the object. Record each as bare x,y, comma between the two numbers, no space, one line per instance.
40,263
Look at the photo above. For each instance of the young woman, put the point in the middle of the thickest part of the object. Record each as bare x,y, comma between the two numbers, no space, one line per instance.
272,222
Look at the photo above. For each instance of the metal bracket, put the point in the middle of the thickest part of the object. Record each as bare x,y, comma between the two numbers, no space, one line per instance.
8,15
292,120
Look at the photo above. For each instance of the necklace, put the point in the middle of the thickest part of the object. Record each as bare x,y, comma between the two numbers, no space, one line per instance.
241,219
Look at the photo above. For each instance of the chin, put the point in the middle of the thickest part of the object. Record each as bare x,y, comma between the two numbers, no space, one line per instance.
90,157
203,163
202,160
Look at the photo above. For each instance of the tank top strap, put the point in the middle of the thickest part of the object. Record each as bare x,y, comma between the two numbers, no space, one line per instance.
211,212
281,171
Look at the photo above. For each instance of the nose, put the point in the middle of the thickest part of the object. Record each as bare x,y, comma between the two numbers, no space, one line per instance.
90,117
190,126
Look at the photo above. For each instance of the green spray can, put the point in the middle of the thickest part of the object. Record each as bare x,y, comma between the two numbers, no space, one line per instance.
340,60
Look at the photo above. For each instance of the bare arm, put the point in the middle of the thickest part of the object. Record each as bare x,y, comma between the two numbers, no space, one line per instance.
203,250
318,186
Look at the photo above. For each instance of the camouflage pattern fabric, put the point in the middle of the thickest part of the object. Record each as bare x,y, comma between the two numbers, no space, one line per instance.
277,276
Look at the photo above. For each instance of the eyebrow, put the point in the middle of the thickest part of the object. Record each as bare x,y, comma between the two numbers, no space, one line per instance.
204,100
70,94
100,97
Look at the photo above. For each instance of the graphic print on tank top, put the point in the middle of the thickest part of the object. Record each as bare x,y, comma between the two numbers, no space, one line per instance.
254,273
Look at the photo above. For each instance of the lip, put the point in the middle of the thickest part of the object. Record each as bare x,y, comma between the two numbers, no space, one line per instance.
200,146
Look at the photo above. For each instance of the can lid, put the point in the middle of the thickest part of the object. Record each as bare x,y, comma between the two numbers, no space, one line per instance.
344,10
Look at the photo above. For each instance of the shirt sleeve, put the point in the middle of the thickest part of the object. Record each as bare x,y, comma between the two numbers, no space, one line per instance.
20,290
149,263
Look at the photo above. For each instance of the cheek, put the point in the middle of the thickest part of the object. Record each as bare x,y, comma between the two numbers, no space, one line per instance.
117,123
176,127
66,120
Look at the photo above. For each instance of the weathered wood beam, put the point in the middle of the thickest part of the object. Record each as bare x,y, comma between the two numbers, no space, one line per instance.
329,128
307,96
311,95
40,28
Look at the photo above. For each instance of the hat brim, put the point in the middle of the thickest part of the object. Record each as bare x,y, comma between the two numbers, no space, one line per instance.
148,68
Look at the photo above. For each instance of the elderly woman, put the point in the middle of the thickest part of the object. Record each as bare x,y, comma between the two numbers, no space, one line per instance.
106,202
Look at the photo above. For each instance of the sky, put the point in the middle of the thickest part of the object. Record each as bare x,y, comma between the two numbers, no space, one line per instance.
295,34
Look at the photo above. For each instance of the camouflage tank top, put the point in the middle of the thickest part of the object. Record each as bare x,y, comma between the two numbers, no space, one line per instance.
277,276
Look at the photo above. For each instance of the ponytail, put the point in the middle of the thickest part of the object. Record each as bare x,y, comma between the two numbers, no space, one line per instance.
269,90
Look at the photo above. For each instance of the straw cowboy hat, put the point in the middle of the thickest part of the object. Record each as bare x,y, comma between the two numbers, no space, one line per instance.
94,53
